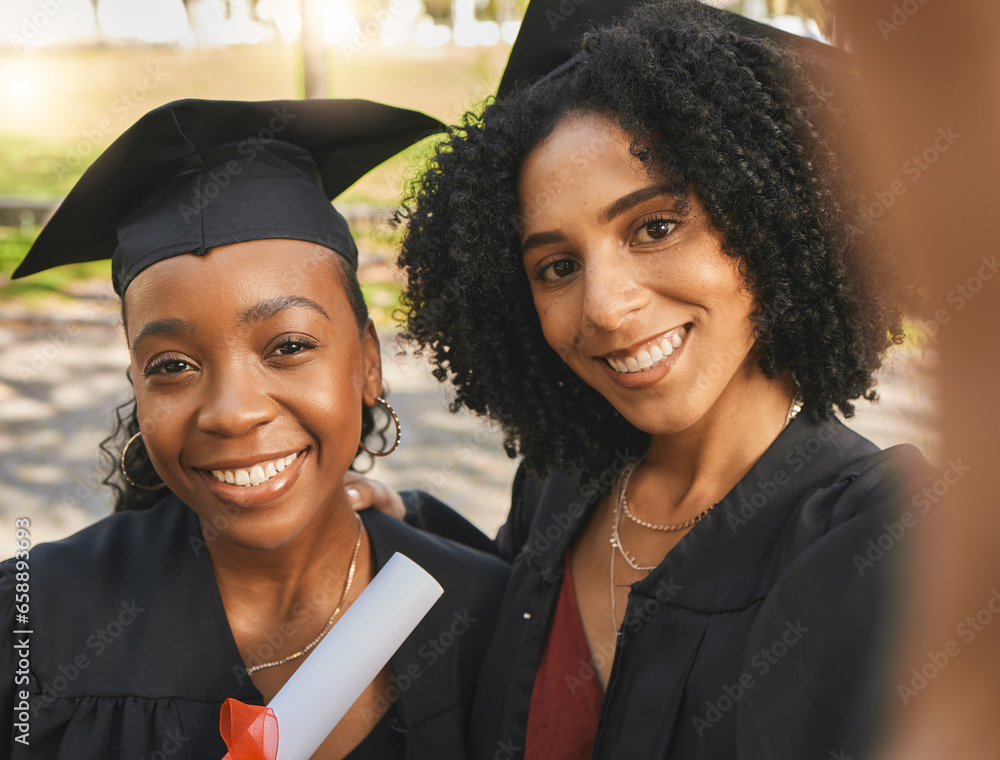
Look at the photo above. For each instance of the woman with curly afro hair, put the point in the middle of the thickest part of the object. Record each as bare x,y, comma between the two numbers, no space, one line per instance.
655,269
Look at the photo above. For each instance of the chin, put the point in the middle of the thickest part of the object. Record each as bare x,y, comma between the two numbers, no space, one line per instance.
260,540
247,531
664,416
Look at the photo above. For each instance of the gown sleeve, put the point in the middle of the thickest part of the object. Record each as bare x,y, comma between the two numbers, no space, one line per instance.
527,493
822,644
427,513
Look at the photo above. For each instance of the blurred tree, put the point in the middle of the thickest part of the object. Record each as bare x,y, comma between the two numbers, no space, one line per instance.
313,49
439,10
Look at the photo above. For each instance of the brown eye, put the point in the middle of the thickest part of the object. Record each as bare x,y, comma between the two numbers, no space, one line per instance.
563,268
556,270
659,228
292,346
167,365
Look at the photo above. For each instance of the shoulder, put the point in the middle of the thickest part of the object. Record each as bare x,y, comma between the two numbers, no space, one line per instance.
819,643
463,571
120,599
432,515
828,475
887,473
105,553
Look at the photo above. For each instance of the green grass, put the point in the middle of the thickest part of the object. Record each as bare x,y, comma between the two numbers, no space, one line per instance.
63,107
381,294
383,300
14,244
36,168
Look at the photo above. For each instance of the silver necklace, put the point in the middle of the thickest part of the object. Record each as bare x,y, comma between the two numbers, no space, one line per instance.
628,512
622,506
329,623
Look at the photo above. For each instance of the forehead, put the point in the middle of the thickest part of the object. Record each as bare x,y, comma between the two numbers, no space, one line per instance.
231,278
586,154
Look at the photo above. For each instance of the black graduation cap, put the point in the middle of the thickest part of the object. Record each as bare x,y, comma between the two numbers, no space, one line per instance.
551,30
196,174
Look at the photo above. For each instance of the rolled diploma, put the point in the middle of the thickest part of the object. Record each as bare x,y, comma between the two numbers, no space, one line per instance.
330,680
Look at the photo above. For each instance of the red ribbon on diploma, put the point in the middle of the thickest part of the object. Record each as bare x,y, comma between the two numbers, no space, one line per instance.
249,731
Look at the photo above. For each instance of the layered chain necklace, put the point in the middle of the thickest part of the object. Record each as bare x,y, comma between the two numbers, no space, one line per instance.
329,623
621,507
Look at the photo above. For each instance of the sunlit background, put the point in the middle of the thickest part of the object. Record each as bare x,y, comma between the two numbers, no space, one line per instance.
75,73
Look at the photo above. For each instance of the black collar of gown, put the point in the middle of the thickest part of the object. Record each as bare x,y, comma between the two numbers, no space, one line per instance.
152,602
722,563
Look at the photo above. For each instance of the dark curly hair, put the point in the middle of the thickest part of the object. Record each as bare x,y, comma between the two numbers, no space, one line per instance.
758,131
137,462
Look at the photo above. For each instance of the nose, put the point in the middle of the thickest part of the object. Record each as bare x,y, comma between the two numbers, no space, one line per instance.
611,293
234,404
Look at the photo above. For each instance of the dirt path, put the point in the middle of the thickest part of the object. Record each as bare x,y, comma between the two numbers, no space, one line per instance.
60,379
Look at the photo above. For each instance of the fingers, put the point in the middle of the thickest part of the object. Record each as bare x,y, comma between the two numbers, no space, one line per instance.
364,493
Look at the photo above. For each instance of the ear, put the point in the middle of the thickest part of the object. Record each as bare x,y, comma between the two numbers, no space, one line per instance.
371,358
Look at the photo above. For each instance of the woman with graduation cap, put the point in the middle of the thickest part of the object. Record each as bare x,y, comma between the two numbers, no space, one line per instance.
256,372
669,280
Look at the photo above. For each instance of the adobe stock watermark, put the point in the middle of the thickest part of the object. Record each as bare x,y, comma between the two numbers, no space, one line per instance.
507,749
565,11
103,126
761,662
85,487
922,501
921,676
171,746
767,488
543,538
99,642
461,452
53,344
959,296
316,604
913,169
248,150
32,24
430,653
901,13
638,615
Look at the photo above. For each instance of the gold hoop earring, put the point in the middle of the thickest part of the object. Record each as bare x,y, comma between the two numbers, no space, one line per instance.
125,472
395,419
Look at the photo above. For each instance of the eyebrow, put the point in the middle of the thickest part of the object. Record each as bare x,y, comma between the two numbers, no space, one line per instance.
537,239
256,313
274,306
612,212
163,327
632,200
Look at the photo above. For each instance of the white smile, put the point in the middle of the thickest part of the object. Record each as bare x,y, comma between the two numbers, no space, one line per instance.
256,474
649,354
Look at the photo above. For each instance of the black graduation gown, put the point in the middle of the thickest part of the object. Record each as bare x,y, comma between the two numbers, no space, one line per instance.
132,655
683,668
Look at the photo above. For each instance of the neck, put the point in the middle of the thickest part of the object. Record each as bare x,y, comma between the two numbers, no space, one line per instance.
314,560
695,467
